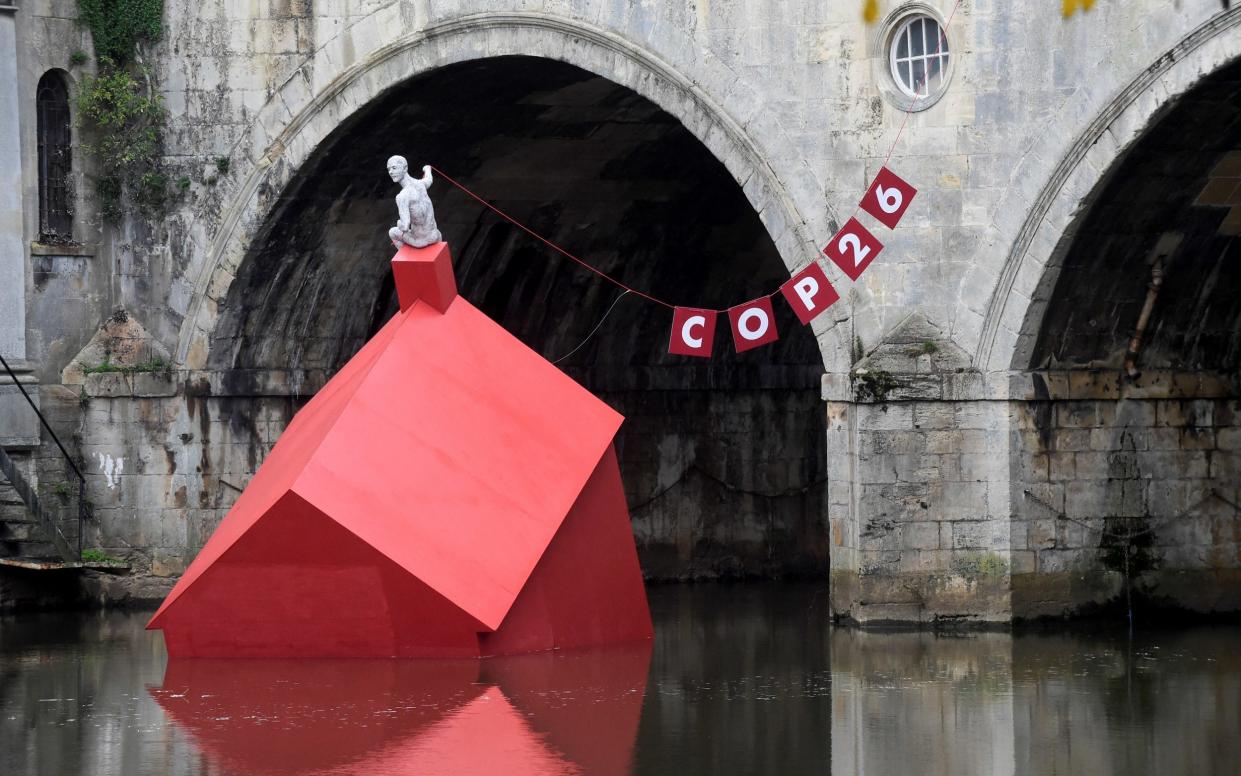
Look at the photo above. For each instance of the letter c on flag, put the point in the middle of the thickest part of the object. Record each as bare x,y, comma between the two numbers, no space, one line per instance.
686,336
693,332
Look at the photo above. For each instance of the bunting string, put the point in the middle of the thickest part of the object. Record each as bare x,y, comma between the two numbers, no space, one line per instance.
809,292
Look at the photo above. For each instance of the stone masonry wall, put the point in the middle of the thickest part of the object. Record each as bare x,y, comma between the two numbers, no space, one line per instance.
919,500
1103,464
725,484
165,469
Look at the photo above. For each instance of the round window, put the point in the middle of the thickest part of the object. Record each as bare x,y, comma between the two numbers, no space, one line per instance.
918,55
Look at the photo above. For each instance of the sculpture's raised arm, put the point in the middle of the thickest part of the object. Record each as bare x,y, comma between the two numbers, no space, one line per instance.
426,176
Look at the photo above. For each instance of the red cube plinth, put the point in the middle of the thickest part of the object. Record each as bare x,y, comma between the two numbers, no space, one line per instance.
449,493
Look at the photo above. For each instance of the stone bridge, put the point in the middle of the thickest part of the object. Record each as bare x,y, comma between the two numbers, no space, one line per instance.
973,433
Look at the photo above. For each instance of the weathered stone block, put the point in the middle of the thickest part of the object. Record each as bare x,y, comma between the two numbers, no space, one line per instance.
1197,438
154,384
1041,534
1071,440
1022,562
1060,561
1061,466
920,536
1228,438
108,385
19,425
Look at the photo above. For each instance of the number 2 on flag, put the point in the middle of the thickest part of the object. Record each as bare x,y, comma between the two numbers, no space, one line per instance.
888,198
853,249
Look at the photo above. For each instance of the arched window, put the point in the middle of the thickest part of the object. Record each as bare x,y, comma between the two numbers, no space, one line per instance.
55,159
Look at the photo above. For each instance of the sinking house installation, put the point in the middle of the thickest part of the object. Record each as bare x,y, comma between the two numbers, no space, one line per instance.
449,493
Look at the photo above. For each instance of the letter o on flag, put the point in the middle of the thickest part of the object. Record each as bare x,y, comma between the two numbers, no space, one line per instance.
693,332
753,324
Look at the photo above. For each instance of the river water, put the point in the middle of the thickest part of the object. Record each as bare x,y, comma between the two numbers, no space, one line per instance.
745,679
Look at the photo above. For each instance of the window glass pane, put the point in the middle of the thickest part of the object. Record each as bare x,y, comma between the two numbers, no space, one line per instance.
934,63
930,30
915,31
919,76
902,69
902,44
941,41
55,161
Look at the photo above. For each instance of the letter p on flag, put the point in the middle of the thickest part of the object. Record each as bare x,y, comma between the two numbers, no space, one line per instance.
809,293
693,332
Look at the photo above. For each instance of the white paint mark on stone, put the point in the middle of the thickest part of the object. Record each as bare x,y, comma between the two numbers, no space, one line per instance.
111,468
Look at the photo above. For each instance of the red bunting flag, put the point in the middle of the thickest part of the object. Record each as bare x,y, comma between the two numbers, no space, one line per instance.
853,249
693,332
753,324
809,293
888,198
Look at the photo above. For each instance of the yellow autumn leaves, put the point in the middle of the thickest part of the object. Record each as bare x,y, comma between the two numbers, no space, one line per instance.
1070,7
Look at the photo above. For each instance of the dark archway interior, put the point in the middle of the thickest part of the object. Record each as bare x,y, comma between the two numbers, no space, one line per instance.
1137,460
1181,181
723,459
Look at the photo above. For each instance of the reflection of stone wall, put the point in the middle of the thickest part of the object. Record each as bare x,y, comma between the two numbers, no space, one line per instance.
65,690
1101,460
1001,704
741,681
1165,703
918,703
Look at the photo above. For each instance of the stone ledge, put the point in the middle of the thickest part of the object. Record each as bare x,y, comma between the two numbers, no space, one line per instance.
142,385
1111,384
47,249
967,385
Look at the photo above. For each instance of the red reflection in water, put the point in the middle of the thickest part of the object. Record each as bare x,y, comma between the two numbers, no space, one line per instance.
549,713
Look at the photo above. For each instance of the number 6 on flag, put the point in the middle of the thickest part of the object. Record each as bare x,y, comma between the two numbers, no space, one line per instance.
888,197
853,249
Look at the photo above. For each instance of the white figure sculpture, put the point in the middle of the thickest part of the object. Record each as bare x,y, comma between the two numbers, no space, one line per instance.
416,217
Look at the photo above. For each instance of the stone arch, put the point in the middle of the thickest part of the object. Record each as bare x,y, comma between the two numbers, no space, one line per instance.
1054,209
363,62
723,458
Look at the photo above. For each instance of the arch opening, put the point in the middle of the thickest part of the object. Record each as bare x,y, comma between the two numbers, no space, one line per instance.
1129,468
722,458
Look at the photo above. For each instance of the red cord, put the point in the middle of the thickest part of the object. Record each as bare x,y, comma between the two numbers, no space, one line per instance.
891,149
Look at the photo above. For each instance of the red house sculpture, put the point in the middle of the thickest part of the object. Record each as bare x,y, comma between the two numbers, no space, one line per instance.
449,493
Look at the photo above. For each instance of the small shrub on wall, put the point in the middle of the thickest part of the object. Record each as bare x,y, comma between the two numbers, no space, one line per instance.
121,110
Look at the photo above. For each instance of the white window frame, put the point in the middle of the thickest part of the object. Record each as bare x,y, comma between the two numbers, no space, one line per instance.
942,53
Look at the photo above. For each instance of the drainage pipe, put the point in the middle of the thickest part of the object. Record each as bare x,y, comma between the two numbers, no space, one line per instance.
1135,342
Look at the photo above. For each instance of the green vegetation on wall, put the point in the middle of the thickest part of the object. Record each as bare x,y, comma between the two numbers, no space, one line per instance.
120,109
118,26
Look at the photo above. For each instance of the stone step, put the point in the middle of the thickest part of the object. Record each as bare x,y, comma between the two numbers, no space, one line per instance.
28,548
11,531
